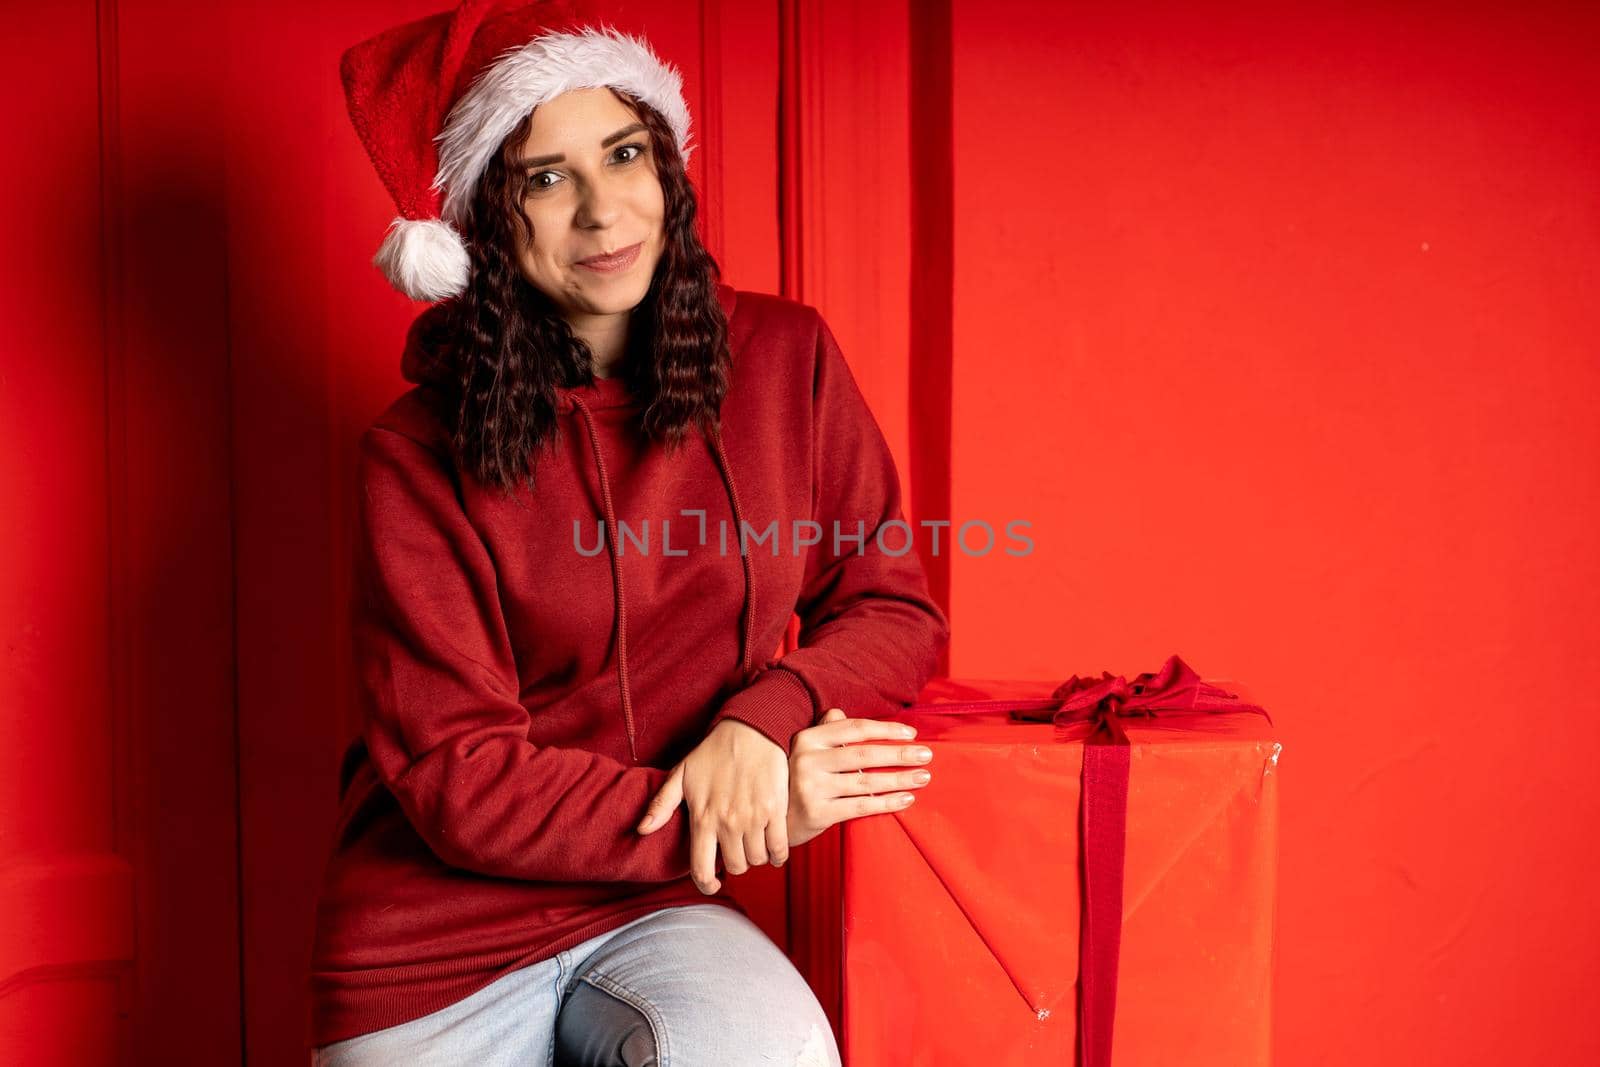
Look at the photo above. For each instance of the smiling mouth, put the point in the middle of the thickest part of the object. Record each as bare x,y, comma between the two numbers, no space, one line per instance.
620,258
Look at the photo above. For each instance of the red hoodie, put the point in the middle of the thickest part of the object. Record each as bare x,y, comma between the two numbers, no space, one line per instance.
524,694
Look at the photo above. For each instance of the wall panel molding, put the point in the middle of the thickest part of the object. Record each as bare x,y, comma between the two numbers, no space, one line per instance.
853,223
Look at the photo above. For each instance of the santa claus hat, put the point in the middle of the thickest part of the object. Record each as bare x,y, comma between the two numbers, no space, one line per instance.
432,100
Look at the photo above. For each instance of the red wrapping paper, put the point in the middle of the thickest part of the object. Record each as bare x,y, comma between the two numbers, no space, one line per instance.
1090,889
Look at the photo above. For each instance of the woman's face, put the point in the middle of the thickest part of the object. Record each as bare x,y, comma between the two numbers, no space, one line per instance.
590,188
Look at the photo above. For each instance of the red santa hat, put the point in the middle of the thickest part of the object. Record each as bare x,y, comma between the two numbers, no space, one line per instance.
432,100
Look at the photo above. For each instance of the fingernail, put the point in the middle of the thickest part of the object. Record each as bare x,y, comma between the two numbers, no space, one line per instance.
921,777
921,753
904,799
907,732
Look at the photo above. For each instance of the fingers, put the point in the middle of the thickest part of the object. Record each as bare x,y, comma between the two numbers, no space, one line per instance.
751,848
852,757
664,803
845,808
854,783
703,857
732,844
755,847
778,842
835,728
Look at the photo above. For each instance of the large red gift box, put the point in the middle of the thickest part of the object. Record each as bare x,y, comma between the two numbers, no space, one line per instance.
1088,879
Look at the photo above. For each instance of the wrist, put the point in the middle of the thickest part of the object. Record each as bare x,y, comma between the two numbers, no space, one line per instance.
776,705
739,728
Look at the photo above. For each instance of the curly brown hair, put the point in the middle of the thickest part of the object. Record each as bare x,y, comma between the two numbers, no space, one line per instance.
512,350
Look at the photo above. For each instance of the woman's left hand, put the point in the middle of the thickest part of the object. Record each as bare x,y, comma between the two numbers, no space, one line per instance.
736,786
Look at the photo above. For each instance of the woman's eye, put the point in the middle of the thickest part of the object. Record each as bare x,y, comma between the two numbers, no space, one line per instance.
537,182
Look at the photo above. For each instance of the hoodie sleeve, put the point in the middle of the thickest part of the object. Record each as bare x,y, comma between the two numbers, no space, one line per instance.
439,692
870,633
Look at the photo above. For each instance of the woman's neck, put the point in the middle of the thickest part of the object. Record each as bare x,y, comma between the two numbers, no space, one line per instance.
607,338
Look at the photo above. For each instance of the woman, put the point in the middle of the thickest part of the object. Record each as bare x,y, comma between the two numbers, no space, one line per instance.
569,715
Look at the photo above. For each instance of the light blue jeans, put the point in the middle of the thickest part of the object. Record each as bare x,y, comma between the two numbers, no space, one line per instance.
696,985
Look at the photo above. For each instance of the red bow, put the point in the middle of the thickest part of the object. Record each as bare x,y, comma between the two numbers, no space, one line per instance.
1173,690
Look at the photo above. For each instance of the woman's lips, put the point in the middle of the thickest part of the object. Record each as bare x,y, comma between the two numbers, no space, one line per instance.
612,264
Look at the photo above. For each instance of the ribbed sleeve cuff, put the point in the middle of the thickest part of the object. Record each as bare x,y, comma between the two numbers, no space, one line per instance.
777,703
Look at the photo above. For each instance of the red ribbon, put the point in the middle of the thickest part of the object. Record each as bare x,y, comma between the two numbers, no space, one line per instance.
1173,690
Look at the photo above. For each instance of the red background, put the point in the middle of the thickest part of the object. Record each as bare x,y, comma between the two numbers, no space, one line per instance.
1269,318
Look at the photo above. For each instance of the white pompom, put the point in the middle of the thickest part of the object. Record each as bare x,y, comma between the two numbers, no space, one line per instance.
424,259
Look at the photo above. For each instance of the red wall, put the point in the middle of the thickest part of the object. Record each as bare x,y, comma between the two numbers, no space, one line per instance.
1281,326
1272,323
118,889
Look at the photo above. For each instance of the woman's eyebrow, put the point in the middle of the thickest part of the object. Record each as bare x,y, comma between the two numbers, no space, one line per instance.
539,161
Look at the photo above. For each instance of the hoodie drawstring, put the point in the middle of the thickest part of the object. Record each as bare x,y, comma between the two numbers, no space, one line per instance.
747,638
747,612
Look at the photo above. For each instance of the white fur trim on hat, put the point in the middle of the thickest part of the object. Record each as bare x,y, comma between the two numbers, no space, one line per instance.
424,259
544,68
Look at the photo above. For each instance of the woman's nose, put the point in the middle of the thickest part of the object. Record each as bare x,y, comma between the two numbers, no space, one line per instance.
597,207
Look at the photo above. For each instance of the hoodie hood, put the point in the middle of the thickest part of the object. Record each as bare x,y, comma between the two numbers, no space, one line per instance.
425,361
425,357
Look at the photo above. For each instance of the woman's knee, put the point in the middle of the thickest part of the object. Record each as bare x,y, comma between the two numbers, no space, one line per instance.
792,1031
714,990
610,1026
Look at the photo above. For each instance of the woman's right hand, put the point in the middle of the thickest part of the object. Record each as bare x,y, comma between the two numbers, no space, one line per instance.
827,783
